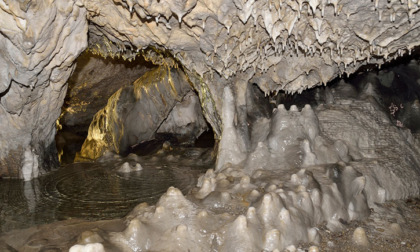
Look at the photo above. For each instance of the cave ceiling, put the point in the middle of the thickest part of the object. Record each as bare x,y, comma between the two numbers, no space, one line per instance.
280,45
286,45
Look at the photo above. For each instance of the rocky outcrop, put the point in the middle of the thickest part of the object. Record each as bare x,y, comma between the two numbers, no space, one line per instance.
186,121
135,112
94,80
39,43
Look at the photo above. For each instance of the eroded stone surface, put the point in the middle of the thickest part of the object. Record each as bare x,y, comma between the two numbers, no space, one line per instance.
135,112
94,80
280,45
39,43
285,45
186,121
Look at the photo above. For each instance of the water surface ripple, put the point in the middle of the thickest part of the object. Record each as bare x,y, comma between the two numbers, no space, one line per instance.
91,191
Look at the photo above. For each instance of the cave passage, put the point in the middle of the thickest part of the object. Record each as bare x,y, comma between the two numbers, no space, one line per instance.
93,81
101,189
96,191
220,128
181,149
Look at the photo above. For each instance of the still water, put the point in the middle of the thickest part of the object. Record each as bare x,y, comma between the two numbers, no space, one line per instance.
96,191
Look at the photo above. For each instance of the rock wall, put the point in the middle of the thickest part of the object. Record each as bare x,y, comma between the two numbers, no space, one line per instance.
286,45
39,42
94,80
134,113
185,122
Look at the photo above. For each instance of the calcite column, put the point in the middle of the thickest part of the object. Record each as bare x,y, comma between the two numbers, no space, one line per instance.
39,42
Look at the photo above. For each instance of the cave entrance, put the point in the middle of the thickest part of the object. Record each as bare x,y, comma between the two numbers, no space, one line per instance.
90,88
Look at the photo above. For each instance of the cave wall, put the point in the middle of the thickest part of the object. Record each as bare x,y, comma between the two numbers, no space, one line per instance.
39,43
94,80
286,45
134,113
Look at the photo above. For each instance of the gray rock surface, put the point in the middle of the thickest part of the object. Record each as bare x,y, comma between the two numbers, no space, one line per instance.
94,80
39,43
186,121
135,112
286,45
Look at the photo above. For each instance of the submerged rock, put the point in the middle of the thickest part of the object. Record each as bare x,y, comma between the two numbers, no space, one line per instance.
127,168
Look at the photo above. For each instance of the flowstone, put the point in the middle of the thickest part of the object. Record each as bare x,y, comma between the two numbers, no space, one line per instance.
268,211
302,172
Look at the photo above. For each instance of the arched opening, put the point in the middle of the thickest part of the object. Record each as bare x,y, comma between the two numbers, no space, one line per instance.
94,80
177,151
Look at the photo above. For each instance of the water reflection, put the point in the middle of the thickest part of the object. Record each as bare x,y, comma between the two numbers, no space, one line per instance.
92,191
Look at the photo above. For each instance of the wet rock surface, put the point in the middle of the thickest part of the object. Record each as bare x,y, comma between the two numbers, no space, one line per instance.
134,113
279,177
288,45
93,81
378,227
39,46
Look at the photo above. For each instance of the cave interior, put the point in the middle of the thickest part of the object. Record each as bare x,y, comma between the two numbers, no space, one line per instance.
195,125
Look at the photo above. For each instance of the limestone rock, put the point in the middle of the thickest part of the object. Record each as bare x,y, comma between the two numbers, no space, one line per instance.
39,45
186,121
135,112
359,237
289,45
93,81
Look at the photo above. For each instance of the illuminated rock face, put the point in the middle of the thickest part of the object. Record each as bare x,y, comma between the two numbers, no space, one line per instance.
277,177
286,45
94,80
134,113
329,164
355,131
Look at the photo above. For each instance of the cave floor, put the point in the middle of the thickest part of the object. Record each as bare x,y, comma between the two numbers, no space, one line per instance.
61,235
382,236
53,212
95,191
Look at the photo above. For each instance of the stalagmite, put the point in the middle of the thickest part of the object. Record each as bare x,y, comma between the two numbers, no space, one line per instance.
359,237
